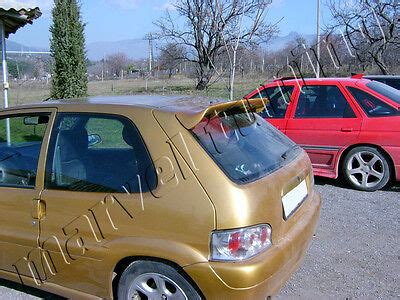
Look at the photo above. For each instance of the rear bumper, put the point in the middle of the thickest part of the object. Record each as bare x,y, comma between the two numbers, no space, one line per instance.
264,274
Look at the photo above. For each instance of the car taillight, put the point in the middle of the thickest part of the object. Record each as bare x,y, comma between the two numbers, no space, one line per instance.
240,244
310,181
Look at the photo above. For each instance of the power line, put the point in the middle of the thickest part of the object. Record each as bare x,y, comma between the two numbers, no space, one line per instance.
27,52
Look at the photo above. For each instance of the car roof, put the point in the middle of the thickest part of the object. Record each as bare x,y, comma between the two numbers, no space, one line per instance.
189,110
313,81
382,76
173,103
316,80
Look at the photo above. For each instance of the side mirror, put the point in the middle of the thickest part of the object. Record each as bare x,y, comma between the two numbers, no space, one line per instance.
31,120
36,120
94,139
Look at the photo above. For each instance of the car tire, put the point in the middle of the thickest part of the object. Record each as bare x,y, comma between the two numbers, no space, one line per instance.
154,280
366,169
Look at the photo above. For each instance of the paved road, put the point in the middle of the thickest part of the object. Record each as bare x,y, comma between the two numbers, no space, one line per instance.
355,253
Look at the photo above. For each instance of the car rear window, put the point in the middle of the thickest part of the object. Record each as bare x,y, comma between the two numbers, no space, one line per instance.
244,145
389,80
371,105
385,90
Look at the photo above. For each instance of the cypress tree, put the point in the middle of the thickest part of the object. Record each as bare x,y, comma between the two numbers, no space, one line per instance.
67,47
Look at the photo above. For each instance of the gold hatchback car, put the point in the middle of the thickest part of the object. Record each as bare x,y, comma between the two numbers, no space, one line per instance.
151,197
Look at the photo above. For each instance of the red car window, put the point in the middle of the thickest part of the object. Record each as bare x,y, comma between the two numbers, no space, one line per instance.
279,99
323,101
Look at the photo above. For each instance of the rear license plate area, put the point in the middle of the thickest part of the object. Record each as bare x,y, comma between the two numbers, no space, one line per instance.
294,198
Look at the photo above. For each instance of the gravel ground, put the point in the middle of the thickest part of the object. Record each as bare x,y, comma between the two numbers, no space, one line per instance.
356,250
355,253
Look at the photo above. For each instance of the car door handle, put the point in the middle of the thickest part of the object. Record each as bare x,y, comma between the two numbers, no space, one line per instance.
346,129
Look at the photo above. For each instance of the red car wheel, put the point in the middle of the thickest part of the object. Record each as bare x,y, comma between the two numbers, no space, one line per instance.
366,169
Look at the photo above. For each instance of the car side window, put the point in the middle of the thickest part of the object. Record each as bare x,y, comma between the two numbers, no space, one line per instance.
20,149
277,101
110,132
322,101
371,105
98,153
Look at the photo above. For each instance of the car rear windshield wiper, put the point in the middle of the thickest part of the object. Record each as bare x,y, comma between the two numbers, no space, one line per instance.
285,155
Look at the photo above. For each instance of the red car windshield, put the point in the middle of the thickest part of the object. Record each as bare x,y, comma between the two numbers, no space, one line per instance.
244,145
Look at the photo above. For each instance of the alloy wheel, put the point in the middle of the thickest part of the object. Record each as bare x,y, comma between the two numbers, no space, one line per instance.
155,286
365,169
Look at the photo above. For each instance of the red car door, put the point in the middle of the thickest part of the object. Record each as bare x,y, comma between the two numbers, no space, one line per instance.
277,105
324,123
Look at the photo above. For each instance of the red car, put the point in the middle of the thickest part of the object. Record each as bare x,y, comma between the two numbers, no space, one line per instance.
350,127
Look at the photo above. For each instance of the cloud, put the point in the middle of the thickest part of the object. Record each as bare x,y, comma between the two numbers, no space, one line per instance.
125,4
44,5
169,5
277,3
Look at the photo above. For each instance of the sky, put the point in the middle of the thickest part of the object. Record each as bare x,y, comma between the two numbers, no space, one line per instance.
115,20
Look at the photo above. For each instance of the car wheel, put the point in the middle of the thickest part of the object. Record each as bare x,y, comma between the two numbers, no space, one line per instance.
366,169
154,280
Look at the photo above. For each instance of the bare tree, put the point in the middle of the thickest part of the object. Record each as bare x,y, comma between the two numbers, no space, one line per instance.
171,57
295,52
117,63
211,25
236,34
371,28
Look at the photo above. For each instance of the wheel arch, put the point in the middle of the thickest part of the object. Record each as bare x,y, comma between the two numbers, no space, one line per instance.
121,266
383,151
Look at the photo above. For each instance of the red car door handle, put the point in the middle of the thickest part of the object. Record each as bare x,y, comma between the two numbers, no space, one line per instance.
346,129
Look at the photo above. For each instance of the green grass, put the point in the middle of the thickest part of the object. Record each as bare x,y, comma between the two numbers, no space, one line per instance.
27,92
30,92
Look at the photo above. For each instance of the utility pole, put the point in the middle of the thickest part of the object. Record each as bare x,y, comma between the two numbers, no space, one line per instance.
5,76
102,67
318,38
301,63
263,63
150,38
18,20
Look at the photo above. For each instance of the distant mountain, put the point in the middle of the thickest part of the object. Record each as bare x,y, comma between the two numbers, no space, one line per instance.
134,49
14,46
138,48
280,42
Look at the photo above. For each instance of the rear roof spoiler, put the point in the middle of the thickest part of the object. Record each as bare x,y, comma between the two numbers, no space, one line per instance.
357,76
284,78
190,119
